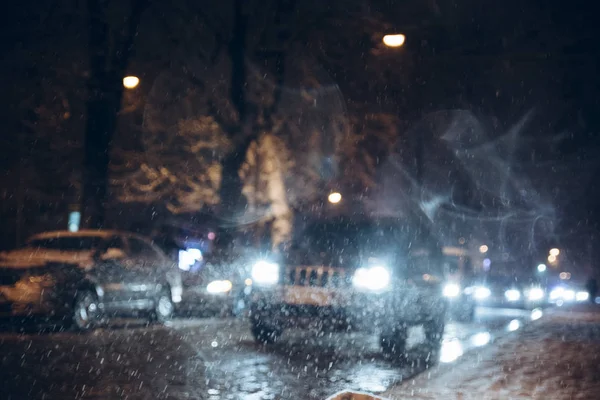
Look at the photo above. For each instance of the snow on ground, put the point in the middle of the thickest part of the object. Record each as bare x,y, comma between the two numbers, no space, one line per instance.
556,357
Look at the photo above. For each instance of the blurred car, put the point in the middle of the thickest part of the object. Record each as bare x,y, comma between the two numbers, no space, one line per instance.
562,294
378,276
84,297
87,247
220,289
461,302
508,292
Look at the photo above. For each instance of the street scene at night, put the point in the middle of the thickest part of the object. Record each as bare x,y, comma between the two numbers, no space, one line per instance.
282,199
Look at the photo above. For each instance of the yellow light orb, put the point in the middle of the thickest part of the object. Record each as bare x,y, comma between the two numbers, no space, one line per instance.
131,82
396,40
334,198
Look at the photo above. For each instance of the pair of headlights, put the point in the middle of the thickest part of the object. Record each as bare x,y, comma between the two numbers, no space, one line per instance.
452,290
562,294
374,278
532,294
482,292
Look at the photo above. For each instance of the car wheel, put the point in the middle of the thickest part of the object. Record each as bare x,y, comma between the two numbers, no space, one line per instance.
263,333
434,333
393,342
85,310
467,315
163,307
240,306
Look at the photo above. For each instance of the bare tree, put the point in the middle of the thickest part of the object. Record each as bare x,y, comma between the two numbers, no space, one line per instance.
262,79
111,34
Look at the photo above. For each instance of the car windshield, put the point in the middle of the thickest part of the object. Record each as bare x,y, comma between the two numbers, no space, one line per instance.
348,235
67,243
298,199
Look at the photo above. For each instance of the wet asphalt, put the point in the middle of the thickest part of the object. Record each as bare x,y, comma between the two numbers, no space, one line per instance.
214,358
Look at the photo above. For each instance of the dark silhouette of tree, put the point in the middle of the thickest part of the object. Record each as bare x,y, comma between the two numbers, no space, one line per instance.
111,34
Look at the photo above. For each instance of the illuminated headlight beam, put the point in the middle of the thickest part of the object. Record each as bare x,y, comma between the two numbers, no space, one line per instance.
451,290
512,295
569,295
482,293
374,278
219,287
535,294
582,296
265,273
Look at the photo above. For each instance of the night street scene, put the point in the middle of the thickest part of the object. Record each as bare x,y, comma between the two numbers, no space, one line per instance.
283,199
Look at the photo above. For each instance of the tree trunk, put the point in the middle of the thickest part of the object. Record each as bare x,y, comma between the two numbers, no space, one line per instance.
232,201
109,57
102,113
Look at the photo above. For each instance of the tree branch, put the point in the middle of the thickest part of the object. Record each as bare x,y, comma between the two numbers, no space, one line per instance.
126,49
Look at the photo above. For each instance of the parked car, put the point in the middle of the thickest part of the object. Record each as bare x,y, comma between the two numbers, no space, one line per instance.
125,254
380,276
84,297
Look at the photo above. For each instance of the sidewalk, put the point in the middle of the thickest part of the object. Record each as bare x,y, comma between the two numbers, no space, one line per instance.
556,357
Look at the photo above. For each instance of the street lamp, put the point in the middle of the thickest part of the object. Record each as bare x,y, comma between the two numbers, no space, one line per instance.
131,82
334,197
551,258
483,249
395,40
554,252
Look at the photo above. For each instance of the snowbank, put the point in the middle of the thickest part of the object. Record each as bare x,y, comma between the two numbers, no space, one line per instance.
557,357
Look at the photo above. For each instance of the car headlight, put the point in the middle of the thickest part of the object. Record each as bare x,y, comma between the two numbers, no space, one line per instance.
219,287
535,294
582,296
451,290
374,278
557,293
265,273
481,293
569,295
512,295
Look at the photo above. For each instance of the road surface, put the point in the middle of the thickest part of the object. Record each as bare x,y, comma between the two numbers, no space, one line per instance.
217,359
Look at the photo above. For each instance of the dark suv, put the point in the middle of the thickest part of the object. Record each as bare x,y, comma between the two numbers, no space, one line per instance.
380,276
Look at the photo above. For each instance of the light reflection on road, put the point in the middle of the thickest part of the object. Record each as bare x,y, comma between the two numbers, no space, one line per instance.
451,350
481,339
536,314
455,345
513,325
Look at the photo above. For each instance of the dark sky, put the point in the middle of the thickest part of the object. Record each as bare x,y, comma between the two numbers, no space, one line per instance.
500,60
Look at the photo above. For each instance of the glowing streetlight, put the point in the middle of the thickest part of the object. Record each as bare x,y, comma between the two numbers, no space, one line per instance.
396,40
334,197
483,249
554,252
131,82
551,258
541,267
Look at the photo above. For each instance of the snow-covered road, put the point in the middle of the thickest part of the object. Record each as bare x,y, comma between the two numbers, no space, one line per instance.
556,357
